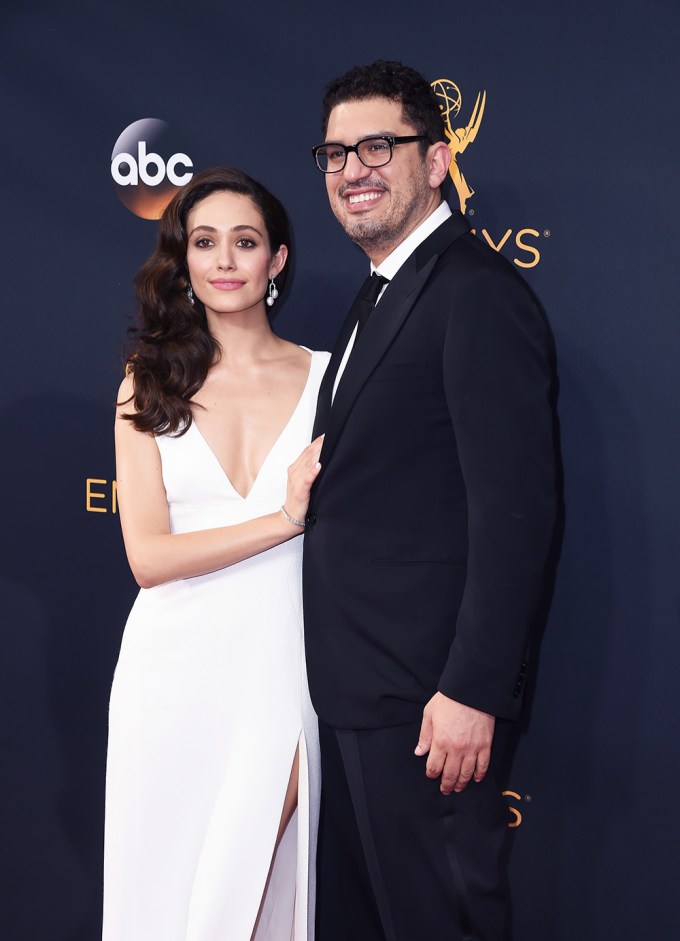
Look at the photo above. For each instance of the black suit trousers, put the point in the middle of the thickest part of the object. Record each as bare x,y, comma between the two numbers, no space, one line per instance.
397,860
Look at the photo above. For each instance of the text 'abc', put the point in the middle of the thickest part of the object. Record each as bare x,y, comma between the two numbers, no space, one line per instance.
150,168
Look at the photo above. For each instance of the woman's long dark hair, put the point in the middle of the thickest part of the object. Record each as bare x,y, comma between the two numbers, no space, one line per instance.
172,347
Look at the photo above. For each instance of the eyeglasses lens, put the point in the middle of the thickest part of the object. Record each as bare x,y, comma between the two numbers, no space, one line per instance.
373,152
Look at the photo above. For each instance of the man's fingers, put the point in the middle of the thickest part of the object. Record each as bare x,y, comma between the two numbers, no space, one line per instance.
449,774
482,766
435,762
456,772
467,769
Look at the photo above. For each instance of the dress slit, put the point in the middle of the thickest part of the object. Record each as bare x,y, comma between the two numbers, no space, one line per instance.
284,903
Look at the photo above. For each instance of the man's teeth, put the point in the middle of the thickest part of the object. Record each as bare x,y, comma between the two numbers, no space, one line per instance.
364,197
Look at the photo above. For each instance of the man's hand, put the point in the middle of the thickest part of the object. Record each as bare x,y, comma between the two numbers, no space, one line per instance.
458,739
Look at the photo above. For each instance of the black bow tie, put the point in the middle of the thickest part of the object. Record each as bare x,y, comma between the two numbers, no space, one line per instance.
367,297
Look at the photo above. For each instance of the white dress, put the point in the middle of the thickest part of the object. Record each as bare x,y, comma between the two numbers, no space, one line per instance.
209,703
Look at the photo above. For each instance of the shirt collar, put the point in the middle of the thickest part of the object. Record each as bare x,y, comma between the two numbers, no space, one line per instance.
390,265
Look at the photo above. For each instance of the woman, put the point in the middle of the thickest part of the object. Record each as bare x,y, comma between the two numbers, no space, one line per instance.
212,742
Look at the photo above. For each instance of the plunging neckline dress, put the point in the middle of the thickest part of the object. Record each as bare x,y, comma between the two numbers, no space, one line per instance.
208,705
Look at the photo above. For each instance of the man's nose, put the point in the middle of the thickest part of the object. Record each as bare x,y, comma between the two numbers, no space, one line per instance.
354,168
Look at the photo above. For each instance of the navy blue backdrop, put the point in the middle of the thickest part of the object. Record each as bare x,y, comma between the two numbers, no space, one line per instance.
574,171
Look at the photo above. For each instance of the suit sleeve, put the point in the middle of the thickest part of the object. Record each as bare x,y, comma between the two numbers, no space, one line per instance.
499,378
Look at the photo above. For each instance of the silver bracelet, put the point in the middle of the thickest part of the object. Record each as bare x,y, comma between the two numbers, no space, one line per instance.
291,519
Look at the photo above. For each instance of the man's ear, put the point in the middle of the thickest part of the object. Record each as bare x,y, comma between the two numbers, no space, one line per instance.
437,160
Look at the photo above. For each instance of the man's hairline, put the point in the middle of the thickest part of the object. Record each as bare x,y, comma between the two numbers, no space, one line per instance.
356,98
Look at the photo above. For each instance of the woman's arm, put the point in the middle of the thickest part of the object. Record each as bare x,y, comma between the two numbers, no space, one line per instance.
154,553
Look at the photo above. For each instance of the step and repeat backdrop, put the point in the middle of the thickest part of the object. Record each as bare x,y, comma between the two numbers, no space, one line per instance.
563,127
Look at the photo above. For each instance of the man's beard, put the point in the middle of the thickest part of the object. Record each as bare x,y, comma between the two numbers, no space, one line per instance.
382,235
372,235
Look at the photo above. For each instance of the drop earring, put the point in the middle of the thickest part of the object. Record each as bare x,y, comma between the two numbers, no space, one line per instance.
190,293
273,293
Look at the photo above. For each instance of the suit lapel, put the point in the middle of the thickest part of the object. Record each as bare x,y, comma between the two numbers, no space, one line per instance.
385,323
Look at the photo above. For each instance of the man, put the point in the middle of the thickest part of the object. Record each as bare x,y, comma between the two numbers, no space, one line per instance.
427,533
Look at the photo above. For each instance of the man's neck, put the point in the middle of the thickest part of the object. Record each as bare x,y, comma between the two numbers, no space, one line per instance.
379,254
392,262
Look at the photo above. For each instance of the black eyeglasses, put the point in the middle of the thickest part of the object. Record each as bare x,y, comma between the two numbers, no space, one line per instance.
372,151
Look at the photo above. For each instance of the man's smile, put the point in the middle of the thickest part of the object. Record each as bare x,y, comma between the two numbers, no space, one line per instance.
363,197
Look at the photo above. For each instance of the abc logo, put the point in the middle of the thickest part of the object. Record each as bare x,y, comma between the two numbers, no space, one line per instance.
146,178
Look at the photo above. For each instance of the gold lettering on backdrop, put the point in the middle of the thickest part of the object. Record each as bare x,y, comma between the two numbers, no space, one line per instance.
533,251
91,495
94,498
516,815
527,248
459,137
502,241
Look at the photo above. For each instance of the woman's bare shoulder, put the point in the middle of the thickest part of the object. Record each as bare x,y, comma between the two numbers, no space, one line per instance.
125,399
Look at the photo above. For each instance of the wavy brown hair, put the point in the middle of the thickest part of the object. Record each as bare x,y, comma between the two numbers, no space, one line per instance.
172,348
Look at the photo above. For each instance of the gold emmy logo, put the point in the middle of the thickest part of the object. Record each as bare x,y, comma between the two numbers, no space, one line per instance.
521,245
459,137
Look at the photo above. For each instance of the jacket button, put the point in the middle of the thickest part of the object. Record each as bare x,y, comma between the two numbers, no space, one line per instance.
310,520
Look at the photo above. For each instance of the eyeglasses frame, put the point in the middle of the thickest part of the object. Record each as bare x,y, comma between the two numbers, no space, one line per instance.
354,149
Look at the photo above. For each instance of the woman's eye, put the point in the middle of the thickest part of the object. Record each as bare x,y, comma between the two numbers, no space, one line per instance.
203,243
245,243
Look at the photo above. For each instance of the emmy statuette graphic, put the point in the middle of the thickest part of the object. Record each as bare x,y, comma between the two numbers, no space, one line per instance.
459,138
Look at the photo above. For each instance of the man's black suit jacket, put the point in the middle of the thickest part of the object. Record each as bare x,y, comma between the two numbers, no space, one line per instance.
432,515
